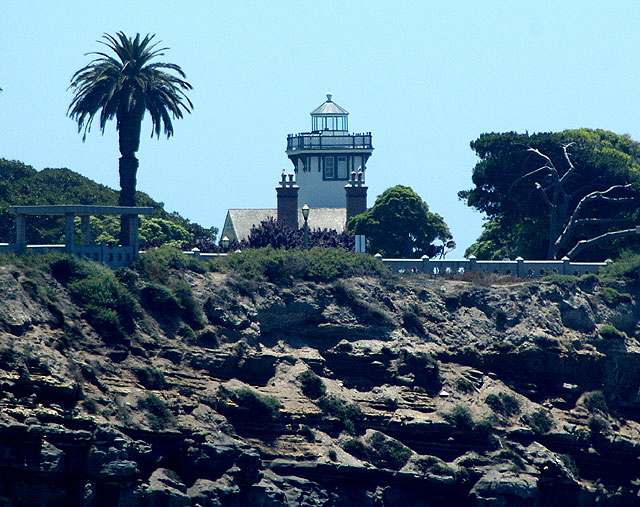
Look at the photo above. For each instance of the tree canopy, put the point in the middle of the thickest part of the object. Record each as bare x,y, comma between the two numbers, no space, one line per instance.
400,225
545,192
21,184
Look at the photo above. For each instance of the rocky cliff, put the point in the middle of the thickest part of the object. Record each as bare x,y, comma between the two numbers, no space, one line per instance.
362,391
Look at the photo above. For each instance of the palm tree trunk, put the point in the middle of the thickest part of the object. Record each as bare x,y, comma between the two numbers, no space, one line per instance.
129,125
128,167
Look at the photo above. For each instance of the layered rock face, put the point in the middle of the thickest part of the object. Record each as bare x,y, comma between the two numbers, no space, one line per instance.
403,392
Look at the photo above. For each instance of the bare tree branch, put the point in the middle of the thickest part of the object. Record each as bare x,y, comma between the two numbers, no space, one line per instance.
588,199
572,168
588,243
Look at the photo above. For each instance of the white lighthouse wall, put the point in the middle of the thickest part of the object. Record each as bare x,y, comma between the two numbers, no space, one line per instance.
318,192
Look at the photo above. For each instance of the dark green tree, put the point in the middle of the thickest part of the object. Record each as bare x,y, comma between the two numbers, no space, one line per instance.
400,225
552,194
126,86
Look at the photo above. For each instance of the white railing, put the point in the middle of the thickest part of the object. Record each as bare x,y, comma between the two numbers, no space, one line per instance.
519,267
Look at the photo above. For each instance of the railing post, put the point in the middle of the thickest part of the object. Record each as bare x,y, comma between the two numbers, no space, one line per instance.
566,265
519,266
426,268
472,262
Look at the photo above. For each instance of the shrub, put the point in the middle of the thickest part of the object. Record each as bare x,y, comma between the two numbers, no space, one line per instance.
608,331
307,433
357,448
626,268
157,264
539,421
159,300
68,268
333,455
159,416
460,418
597,426
208,339
190,308
349,414
253,405
612,297
283,266
596,402
150,377
388,452
504,404
108,306
311,385
464,385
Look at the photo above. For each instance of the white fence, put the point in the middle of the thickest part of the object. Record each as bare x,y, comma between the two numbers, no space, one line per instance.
518,267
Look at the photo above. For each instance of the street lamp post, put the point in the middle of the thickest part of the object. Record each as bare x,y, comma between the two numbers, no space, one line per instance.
305,215
225,243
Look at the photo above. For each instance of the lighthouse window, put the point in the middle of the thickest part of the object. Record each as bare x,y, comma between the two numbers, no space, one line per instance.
342,168
329,169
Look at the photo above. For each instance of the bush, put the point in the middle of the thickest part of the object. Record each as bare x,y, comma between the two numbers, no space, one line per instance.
108,306
504,404
460,418
150,377
381,451
253,405
276,234
208,339
284,266
608,331
68,268
157,264
612,297
349,414
159,415
596,402
168,304
159,300
388,452
626,268
464,385
311,385
539,421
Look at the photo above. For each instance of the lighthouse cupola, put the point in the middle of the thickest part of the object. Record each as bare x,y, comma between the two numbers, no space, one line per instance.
329,116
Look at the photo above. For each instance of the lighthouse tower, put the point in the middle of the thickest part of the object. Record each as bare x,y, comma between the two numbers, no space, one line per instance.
326,159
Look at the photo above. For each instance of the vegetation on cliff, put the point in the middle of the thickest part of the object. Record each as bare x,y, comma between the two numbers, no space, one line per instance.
244,380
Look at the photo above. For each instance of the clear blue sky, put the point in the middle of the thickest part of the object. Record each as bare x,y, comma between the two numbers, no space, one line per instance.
425,78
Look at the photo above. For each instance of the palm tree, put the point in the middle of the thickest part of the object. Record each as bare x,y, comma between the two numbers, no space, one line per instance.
125,87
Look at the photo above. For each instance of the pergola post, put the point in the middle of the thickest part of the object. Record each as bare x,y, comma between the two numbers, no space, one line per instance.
133,235
69,231
85,230
21,233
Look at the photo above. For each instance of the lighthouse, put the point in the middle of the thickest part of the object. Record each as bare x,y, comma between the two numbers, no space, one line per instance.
329,157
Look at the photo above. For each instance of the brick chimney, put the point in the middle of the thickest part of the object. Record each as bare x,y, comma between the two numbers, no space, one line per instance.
356,192
287,192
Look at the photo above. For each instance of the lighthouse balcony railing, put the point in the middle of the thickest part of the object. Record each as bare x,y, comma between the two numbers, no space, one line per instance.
329,140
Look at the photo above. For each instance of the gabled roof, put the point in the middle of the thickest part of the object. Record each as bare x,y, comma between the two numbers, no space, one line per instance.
329,108
239,222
